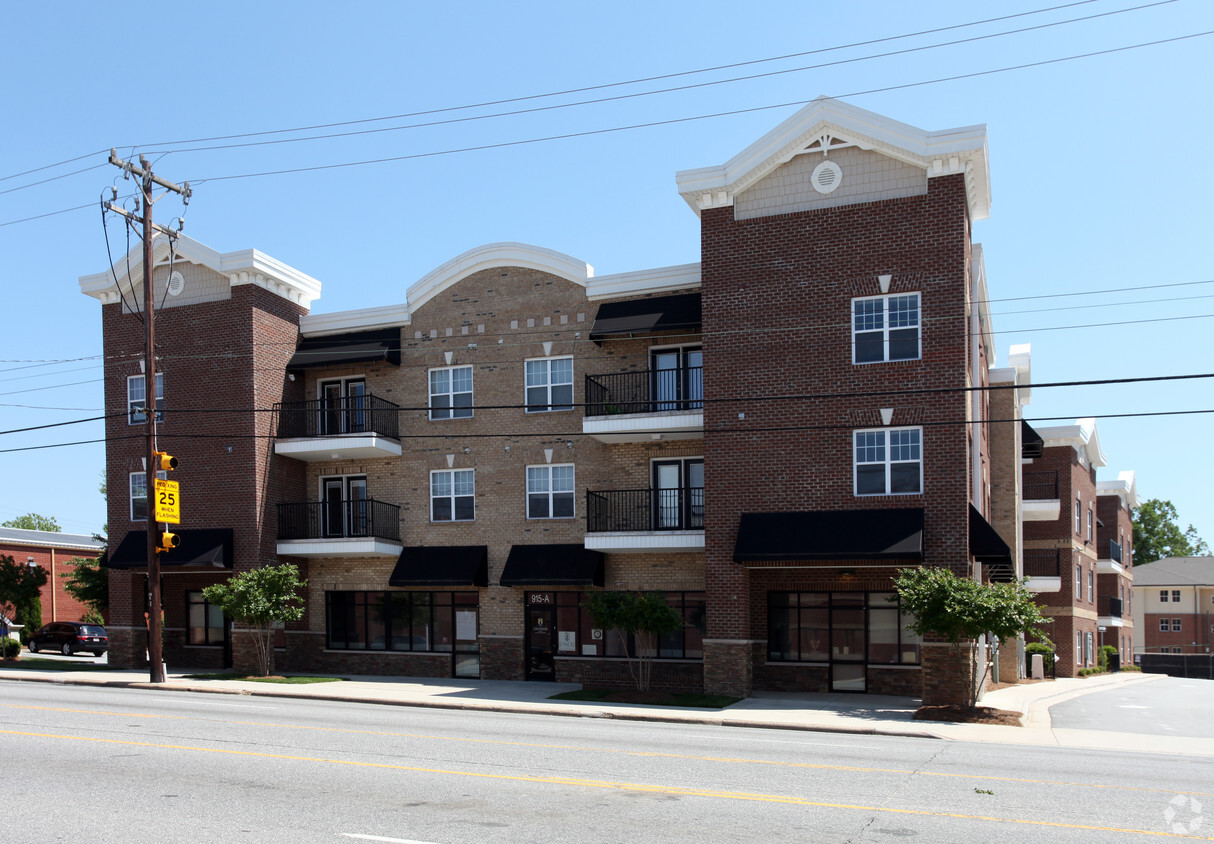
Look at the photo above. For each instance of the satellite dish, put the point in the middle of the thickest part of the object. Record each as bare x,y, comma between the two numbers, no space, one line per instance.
176,283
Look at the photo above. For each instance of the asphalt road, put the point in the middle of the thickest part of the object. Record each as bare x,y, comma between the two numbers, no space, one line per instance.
1170,706
102,765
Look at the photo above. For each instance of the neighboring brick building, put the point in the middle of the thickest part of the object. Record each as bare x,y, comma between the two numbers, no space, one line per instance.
1067,543
1174,606
53,552
765,436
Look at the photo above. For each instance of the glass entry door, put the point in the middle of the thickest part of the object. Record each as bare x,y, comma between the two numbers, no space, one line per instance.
849,642
541,641
678,491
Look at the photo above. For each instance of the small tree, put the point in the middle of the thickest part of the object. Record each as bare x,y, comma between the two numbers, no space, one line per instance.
642,616
961,610
33,521
21,587
261,599
88,581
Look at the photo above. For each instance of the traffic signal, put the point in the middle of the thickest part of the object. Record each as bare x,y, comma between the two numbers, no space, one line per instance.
168,541
165,461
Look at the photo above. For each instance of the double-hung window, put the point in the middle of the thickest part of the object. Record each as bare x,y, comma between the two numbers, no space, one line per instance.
550,492
888,461
451,392
549,384
453,495
136,399
1176,625
1091,532
1175,596
1163,596
139,494
885,328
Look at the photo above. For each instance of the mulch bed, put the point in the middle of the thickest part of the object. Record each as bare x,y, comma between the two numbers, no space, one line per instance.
969,715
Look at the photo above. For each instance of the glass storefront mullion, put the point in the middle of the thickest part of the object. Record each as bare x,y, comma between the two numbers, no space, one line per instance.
839,627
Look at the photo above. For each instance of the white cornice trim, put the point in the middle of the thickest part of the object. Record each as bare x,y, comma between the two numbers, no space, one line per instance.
496,255
940,153
1125,488
363,319
660,279
246,266
1082,436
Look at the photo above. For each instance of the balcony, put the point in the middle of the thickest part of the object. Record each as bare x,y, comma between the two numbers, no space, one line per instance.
359,528
641,520
1039,494
1109,562
1109,611
346,428
651,404
1043,569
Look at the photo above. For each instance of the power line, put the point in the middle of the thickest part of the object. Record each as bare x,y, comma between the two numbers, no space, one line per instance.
676,89
566,92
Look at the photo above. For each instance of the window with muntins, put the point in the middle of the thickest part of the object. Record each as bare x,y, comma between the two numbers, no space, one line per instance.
1175,596
136,399
550,492
139,494
1176,625
885,328
1163,596
1091,586
451,392
204,624
1163,625
888,461
453,495
549,383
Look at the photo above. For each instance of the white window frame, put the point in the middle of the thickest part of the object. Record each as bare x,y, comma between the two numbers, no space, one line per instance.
450,411
547,474
887,460
1164,625
1177,627
883,316
1088,651
137,417
1163,596
1079,647
1091,586
1091,524
1078,517
160,474
451,495
547,406
1078,581
1175,596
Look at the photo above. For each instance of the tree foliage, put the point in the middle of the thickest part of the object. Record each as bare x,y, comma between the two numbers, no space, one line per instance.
643,616
20,593
1157,534
88,581
33,521
261,599
961,610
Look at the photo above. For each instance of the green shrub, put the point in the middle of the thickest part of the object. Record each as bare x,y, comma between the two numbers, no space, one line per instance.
1046,649
9,648
91,616
1105,652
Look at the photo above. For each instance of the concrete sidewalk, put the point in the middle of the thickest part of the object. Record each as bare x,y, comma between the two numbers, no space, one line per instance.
841,713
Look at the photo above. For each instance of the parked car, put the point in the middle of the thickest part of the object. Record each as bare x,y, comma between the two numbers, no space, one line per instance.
69,637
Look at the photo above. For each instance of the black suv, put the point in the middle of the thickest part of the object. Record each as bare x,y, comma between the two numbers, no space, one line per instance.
69,637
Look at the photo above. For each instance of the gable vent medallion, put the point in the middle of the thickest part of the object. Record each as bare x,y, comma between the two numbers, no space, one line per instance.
826,177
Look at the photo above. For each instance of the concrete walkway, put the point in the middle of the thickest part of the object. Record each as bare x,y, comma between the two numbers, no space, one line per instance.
842,713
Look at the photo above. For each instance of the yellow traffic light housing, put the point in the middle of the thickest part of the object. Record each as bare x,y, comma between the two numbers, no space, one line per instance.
168,541
165,461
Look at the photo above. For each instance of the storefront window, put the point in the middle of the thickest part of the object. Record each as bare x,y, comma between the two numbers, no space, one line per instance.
840,627
401,621
578,636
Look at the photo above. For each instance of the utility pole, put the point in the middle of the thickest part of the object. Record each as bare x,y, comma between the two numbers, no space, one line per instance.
147,181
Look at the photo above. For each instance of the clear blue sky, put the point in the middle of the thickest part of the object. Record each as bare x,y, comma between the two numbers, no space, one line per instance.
1099,174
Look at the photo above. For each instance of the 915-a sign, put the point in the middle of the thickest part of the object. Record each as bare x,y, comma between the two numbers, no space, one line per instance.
167,507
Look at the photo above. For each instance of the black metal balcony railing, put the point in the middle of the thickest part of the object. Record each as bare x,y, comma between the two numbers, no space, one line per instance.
646,391
1040,486
339,519
645,509
1114,551
1110,606
333,417
1042,562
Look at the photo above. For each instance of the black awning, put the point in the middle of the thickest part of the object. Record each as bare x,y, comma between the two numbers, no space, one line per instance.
209,547
1031,443
553,565
988,548
894,534
357,347
442,565
676,314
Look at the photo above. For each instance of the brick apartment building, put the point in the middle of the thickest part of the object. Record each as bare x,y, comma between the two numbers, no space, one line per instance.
766,436
1077,539
1174,606
53,552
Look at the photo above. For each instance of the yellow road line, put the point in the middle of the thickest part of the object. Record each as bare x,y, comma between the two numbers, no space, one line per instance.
624,752
608,784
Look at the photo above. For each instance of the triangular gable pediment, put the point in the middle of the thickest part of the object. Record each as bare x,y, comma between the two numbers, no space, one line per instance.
825,125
